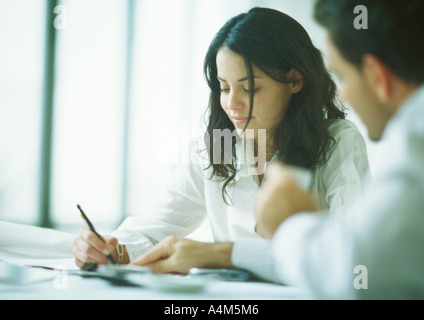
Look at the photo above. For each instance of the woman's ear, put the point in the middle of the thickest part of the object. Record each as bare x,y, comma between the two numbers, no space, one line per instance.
296,81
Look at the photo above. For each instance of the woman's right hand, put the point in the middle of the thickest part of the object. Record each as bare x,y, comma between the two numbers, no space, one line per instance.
88,248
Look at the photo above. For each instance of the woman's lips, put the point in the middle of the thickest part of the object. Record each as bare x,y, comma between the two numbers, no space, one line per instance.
240,120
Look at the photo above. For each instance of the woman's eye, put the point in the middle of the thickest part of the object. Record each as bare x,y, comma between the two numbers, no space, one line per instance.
249,91
225,90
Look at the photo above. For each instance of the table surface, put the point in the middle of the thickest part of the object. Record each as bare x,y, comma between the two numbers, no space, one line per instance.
37,264
61,286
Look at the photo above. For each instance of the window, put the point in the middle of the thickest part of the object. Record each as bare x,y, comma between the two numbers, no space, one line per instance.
89,109
22,34
128,93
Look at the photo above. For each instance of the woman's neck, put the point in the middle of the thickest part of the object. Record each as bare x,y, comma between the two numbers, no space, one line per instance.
268,150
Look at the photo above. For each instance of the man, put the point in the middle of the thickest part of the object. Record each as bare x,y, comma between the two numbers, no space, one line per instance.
376,249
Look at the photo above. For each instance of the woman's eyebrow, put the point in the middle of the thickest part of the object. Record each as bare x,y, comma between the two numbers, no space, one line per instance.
239,80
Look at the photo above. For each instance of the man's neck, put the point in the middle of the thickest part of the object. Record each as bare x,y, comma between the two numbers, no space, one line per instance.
402,91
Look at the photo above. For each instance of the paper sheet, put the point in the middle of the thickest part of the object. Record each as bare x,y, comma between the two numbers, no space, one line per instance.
16,274
34,246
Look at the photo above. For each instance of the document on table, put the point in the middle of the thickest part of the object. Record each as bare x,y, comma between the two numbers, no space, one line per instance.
29,254
27,245
17,274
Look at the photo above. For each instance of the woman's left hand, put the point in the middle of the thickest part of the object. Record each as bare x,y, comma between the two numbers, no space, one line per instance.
178,255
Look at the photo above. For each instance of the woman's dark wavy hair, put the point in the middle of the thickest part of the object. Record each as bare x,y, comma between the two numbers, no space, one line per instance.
275,43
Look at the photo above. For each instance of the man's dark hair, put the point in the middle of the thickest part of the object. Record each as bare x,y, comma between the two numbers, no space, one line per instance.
394,34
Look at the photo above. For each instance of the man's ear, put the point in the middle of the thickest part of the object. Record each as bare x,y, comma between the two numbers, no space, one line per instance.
379,77
296,81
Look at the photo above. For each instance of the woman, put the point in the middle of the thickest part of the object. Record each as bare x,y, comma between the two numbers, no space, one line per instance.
271,99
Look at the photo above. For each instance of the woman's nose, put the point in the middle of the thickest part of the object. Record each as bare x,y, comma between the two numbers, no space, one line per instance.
235,101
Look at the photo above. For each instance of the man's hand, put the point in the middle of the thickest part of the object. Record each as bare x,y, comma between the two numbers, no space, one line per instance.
178,255
280,197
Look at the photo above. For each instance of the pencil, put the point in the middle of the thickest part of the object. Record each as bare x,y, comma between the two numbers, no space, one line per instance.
91,227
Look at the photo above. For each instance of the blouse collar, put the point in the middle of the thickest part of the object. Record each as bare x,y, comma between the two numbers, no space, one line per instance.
246,160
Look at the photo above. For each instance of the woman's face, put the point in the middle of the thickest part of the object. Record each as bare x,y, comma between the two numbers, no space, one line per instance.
270,97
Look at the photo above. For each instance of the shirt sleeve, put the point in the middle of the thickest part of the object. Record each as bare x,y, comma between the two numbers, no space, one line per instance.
180,212
347,169
372,251
254,255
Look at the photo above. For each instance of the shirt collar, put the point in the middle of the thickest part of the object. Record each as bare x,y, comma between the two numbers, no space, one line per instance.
410,109
246,160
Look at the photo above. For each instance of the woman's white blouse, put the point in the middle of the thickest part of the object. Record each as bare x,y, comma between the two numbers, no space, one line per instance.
193,197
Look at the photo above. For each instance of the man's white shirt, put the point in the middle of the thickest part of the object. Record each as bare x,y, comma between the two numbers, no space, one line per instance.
374,250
